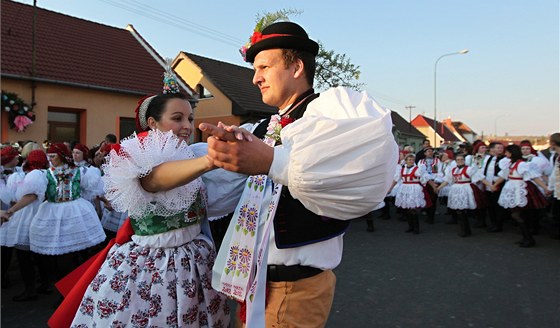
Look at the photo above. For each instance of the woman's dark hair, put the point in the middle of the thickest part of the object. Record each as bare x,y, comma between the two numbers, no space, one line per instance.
460,155
515,152
155,109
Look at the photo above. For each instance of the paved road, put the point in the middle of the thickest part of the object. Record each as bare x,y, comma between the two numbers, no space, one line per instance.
435,279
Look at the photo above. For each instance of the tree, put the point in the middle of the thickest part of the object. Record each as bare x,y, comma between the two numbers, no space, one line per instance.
333,69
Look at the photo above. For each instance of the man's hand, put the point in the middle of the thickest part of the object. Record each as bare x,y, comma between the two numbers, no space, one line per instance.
227,151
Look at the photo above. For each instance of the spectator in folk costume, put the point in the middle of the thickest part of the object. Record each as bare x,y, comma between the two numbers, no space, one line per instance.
476,159
319,196
463,194
543,166
9,159
80,155
447,163
431,168
66,223
411,195
519,194
420,154
28,192
491,169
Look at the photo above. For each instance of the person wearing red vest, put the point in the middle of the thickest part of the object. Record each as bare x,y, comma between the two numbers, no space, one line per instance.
463,194
519,195
411,196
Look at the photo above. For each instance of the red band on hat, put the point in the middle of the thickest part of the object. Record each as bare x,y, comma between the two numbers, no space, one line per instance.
258,36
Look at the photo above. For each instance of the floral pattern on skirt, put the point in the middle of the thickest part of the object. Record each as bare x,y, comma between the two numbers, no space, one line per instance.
138,286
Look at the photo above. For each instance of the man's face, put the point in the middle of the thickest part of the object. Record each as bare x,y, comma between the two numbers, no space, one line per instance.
274,79
499,149
426,144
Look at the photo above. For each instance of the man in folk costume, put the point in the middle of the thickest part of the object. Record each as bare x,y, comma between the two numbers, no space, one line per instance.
491,168
326,171
432,166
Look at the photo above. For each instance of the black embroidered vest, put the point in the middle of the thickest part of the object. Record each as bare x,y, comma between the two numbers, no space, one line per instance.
294,225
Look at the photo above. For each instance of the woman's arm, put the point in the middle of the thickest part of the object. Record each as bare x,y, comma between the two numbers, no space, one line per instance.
541,184
23,202
169,175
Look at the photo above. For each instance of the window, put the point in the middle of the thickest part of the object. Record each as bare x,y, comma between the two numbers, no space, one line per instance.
127,126
203,92
63,125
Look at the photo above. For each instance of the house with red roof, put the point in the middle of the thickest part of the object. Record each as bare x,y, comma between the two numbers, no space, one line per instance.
81,79
442,134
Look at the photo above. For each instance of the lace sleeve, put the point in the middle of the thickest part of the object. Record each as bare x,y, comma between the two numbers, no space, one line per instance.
136,159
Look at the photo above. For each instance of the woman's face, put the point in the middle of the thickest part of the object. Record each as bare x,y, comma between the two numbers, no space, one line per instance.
525,150
77,155
444,157
460,160
410,161
508,154
55,159
482,149
177,116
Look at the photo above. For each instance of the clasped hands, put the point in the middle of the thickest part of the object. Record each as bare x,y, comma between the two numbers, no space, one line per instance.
235,149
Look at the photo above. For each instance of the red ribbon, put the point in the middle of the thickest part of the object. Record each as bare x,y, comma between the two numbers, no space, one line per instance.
258,36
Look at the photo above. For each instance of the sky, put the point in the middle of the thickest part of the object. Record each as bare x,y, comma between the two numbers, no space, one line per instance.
508,82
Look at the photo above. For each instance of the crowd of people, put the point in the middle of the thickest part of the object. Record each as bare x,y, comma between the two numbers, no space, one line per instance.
149,203
484,183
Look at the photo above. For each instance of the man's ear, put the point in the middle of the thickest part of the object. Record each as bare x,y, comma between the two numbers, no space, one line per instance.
298,68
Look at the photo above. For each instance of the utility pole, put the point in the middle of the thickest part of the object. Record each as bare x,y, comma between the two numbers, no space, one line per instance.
410,117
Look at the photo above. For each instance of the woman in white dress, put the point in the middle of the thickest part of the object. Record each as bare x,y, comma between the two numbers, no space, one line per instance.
411,195
28,193
463,194
519,194
66,223
163,276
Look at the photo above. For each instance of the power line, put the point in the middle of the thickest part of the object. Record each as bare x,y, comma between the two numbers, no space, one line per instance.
161,17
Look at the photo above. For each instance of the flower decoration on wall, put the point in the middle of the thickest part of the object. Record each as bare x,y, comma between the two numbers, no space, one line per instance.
20,114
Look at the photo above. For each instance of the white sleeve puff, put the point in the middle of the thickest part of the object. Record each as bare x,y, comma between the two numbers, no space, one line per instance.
339,159
529,171
136,159
8,191
35,182
475,174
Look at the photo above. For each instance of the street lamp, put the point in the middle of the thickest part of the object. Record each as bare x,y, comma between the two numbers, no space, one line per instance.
462,52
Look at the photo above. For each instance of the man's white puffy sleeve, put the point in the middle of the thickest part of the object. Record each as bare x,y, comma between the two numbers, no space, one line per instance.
338,159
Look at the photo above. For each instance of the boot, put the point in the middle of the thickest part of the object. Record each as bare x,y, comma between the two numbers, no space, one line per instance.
416,223
464,226
528,240
453,219
385,212
410,223
370,227
480,219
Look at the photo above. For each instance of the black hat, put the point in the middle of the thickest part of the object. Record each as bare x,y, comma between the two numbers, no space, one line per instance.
281,35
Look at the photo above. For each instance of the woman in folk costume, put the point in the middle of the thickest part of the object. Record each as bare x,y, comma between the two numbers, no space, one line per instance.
80,155
463,194
478,155
411,196
544,168
28,193
162,277
519,194
431,166
66,223
447,163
